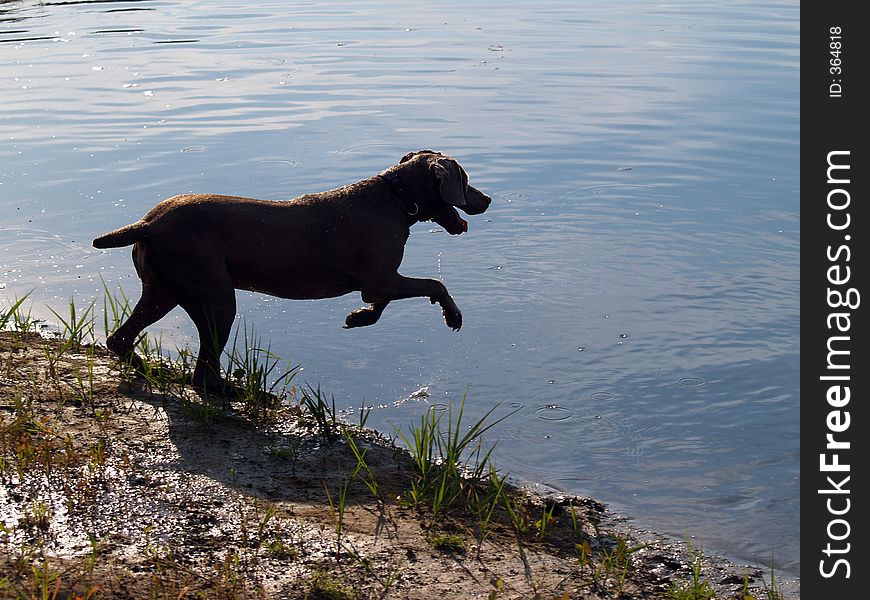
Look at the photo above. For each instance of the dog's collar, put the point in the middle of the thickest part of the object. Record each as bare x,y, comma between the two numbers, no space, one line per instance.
394,182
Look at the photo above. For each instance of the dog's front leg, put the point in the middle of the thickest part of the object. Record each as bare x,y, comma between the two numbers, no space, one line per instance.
398,287
367,315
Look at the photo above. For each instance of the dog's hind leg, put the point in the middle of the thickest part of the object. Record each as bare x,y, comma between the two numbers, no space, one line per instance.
367,315
214,321
151,307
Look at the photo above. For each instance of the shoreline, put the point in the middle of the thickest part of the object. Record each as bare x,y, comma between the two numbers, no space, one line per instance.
131,490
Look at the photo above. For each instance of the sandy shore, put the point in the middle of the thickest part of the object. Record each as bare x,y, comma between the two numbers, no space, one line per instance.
111,488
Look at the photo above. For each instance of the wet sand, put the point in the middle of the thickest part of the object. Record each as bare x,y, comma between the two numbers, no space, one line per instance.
114,488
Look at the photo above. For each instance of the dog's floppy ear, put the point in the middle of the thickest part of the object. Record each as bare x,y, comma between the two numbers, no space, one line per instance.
411,155
450,180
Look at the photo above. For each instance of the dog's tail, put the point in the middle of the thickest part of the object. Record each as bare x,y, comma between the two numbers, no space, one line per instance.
126,235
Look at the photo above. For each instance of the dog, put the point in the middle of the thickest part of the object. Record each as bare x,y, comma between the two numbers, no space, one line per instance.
195,250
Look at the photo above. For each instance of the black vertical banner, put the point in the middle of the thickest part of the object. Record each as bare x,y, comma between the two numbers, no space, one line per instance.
835,224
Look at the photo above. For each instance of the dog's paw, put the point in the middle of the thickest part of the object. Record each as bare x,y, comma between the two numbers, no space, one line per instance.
360,318
134,362
217,387
453,319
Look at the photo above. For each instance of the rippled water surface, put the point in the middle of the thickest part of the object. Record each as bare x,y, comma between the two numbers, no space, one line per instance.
633,289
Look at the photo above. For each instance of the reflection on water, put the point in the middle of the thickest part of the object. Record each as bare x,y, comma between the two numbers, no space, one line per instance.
633,289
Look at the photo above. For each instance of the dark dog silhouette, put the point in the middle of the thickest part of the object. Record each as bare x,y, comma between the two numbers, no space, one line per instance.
196,250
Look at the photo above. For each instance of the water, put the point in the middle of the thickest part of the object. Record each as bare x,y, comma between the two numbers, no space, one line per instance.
633,290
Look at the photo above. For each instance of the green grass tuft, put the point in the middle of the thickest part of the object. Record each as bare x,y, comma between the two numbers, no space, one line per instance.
15,316
323,414
451,467
255,373
448,542
695,588
326,587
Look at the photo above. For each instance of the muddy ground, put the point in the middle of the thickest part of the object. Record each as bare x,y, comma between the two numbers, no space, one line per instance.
111,488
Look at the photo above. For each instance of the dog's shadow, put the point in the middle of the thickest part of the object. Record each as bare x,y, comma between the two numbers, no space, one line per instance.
281,461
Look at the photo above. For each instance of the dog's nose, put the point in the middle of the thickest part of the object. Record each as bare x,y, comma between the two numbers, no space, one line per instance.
478,202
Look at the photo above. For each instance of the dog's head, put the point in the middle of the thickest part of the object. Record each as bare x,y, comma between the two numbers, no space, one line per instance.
448,189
